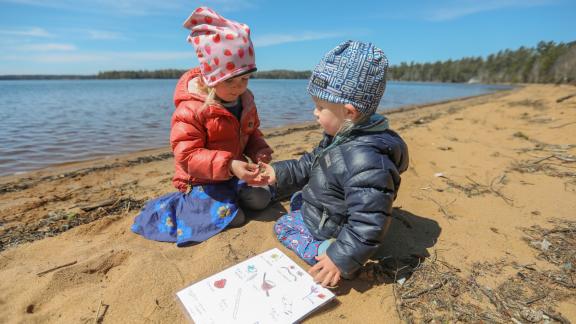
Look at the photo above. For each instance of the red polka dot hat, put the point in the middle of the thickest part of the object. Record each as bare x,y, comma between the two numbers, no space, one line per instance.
223,46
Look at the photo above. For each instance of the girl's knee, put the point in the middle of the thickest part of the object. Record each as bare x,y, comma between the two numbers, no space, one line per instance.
255,198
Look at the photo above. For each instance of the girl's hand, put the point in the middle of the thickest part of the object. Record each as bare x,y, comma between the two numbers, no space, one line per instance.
248,172
268,171
264,155
325,272
243,170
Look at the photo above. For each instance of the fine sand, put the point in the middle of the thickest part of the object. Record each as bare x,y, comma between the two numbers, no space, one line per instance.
484,226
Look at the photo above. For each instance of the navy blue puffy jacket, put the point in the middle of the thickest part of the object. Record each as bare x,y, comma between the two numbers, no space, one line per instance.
348,190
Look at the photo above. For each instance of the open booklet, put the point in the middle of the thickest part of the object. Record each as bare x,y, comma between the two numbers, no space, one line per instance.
267,288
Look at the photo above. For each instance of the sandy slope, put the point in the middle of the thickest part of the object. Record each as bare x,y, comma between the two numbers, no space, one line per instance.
464,201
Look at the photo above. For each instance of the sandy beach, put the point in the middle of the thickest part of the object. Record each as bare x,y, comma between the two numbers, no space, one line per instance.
484,226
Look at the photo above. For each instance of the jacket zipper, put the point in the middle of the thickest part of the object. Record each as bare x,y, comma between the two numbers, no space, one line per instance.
323,219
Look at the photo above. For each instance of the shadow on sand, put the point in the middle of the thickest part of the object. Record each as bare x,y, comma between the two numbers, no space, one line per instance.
405,247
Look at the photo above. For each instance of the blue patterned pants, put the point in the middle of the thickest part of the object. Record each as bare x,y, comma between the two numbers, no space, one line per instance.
293,233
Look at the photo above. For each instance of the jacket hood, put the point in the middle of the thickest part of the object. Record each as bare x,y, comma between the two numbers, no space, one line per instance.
187,88
375,132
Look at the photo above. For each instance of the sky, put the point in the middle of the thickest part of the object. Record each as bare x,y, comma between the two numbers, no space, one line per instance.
86,37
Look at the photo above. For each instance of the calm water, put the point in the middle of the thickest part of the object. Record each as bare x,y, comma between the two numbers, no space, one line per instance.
49,122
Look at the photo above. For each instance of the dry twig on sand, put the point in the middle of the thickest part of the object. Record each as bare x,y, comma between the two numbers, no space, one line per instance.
40,274
477,189
563,125
559,100
99,318
442,209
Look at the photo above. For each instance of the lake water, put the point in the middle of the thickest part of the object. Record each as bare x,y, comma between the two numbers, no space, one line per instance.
54,121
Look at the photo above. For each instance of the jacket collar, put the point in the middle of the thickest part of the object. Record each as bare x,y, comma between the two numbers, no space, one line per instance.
376,123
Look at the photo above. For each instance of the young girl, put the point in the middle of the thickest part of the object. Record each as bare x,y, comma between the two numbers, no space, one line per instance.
338,220
213,130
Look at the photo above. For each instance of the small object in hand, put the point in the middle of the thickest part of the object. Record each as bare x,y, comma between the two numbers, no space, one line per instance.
261,168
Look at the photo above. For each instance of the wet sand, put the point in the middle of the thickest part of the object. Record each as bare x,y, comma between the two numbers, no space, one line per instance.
484,226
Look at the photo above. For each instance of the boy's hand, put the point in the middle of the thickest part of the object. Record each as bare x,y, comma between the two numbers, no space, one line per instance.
325,272
266,170
264,155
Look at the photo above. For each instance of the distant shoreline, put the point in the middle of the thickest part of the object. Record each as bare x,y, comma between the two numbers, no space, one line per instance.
168,74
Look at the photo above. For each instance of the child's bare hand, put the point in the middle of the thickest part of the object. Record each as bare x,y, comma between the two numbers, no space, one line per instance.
264,155
243,170
325,272
268,171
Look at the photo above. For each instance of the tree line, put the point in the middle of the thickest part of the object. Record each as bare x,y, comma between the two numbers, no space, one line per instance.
548,62
175,74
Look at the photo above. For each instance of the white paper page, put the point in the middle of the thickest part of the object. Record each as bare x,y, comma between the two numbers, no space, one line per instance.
267,288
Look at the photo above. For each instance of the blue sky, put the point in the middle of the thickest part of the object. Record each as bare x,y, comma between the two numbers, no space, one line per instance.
85,37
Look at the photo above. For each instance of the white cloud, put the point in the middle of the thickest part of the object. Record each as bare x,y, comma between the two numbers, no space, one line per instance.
468,7
46,47
31,32
275,39
99,57
104,35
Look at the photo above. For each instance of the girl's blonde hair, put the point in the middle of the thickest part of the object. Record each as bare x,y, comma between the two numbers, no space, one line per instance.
210,92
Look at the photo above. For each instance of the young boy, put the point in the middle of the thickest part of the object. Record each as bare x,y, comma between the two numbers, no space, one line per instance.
350,180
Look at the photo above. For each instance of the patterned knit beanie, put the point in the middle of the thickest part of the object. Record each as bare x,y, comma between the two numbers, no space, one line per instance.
352,73
223,46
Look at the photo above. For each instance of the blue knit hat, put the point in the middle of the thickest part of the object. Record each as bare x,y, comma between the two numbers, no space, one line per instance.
352,73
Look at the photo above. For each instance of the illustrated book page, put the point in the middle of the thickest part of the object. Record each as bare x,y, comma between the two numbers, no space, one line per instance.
267,288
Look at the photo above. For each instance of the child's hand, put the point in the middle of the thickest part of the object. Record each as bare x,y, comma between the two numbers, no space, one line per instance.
249,172
264,155
325,271
268,171
243,170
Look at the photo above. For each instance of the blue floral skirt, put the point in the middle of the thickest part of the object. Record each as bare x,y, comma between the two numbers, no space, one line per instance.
193,217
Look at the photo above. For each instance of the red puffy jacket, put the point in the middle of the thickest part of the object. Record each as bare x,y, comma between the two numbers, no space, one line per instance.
205,141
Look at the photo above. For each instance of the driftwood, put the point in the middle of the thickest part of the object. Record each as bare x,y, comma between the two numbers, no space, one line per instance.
559,100
40,274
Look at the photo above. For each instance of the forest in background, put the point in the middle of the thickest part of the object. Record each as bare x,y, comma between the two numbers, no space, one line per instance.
548,62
